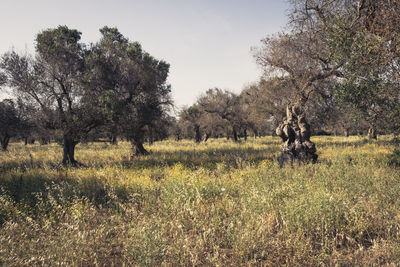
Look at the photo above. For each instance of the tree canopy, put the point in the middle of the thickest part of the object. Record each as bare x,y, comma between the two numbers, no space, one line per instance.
79,88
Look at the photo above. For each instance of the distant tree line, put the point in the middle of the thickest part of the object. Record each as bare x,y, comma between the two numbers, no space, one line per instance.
258,109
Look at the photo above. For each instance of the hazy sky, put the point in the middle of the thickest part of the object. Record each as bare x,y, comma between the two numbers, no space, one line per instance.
207,42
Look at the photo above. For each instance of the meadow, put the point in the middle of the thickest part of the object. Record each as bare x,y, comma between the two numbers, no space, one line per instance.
215,203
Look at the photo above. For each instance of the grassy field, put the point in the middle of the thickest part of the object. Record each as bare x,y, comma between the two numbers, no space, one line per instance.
217,203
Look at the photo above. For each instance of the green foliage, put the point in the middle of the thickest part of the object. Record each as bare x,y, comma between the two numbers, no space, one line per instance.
368,63
136,94
59,42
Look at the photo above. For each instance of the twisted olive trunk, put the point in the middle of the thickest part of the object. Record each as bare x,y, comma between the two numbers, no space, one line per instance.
4,142
114,140
235,135
206,136
197,133
139,148
69,151
295,133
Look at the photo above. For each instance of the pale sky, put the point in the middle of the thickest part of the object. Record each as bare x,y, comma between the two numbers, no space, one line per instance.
206,42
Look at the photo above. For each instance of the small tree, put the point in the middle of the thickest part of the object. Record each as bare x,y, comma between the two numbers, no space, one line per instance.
225,105
190,118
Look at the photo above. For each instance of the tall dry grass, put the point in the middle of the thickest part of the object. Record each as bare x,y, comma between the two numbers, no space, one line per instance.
217,203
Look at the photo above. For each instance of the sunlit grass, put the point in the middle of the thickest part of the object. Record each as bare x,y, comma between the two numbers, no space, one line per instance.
217,203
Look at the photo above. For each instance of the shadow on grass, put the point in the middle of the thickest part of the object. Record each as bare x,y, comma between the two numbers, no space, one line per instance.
355,143
25,165
207,159
39,194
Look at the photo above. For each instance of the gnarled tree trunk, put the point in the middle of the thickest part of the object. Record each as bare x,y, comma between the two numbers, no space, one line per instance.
114,140
69,151
197,134
295,133
29,140
139,148
206,136
4,142
255,134
235,135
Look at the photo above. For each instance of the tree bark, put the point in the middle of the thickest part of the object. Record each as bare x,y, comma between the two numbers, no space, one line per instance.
114,140
206,136
69,151
245,134
235,136
139,148
4,142
197,134
295,133
372,133
256,133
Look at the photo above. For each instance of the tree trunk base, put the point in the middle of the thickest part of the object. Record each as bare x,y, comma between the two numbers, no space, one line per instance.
235,136
295,133
69,152
289,157
140,150
372,133
206,136
197,134
72,164
4,142
114,140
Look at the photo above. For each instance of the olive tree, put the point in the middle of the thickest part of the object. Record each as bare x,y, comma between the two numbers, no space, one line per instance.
370,81
226,106
190,120
136,92
327,40
52,80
